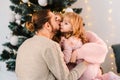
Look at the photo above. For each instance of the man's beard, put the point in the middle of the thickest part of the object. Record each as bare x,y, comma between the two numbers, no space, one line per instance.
54,30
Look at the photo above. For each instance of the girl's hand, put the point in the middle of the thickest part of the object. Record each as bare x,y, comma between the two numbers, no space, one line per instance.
73,57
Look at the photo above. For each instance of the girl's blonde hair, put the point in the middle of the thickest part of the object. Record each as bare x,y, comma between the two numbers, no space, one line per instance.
77,24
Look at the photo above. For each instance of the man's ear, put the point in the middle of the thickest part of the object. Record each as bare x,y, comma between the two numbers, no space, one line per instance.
47,25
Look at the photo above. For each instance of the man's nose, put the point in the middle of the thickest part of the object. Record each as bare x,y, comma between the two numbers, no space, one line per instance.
61,23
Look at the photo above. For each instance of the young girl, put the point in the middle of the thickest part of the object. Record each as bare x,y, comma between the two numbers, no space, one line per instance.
78,45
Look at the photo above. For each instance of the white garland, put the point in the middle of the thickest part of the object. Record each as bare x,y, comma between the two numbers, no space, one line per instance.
42,2
14,40
25,1
68,10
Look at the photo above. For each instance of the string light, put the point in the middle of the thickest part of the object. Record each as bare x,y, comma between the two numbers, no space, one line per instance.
112,33
21,2
107,41
109,18
63,10
112,55
110,11
112,68
109,47
112,63
86,1
86,16
29,4
30,14
89,24
88,8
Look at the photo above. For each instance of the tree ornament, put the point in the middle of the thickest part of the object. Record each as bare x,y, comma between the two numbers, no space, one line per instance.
14,40
14,51
18,22
68,10
25,1
18,16
23,25
8,49
42,2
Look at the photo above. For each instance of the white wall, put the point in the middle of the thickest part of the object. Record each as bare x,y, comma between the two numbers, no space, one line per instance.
4,33
95,14
102,17
4,21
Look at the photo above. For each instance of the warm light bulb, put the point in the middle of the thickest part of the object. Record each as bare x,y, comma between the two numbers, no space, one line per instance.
86,1
86,16
107,41
111,63
89,24
112,55
112,68
110,11
29,4
109,47
30,14
109,18
21,2
63,10
88,8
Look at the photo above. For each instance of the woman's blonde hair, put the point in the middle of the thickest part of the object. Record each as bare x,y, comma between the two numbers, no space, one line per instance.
77,24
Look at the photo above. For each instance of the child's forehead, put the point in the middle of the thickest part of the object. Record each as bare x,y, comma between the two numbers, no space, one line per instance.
66,19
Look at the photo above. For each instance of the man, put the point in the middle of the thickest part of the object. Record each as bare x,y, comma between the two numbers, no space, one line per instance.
40,58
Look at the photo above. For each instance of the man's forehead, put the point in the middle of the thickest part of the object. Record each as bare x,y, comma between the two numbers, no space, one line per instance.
51,14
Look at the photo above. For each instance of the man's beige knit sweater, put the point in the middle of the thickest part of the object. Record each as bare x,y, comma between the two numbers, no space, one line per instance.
40,58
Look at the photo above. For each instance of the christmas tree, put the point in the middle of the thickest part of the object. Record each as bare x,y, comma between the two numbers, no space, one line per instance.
22,11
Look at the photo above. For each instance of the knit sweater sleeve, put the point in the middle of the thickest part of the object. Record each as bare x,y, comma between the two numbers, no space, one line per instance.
55,62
